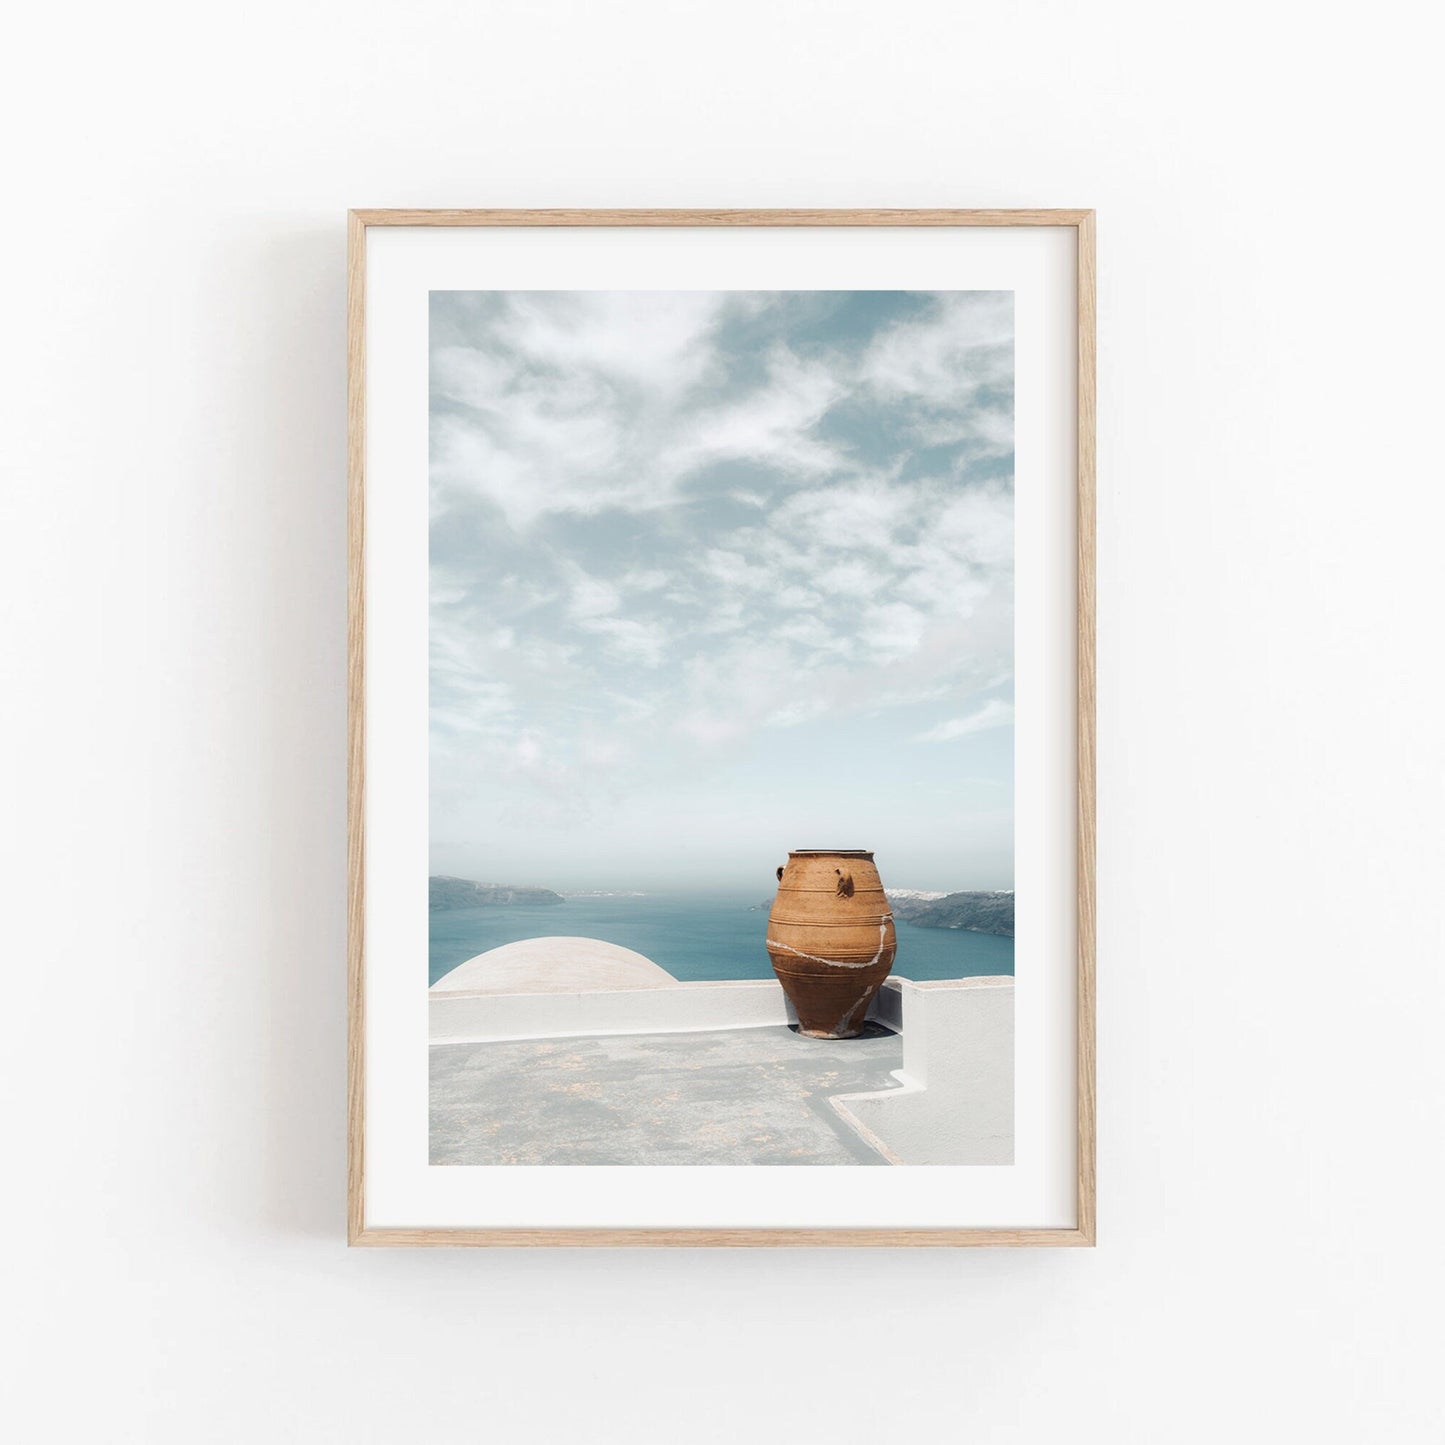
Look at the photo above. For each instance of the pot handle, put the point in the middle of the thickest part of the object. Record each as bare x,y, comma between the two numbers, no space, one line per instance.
845,883
781,866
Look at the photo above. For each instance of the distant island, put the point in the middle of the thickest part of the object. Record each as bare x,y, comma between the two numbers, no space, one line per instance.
977,912
448,893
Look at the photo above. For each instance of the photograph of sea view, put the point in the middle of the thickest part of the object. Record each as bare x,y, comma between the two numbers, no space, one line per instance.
721,716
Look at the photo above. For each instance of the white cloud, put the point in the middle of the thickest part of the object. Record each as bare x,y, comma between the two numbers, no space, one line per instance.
579,402
965,343
861,514
773,424
648,579
854,577
656,341
893,630
993,714
631,641
591,596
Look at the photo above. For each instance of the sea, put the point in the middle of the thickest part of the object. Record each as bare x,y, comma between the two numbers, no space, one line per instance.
693,936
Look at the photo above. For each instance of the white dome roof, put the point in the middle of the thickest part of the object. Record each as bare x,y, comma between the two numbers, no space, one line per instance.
554,965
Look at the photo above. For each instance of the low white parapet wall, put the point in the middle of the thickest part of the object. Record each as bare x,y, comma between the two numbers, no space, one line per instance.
474,1017
956,1104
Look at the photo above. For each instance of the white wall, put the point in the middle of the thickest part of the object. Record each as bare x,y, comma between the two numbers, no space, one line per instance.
953,1102
1271,1078
463,1016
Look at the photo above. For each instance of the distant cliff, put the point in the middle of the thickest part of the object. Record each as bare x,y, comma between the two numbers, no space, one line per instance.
977,912
459,893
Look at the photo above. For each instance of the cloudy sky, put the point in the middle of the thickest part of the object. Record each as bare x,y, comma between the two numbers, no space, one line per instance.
718,574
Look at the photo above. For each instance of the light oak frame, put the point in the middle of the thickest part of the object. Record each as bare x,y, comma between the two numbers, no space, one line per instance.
359,222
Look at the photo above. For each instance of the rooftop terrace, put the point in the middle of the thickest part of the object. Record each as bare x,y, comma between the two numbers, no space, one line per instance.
572,1051
730,1096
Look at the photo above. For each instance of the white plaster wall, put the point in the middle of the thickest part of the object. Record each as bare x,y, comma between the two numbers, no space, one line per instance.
460,1017
171,717
955,1100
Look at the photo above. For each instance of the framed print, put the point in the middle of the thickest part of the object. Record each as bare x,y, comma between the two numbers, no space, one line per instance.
721,802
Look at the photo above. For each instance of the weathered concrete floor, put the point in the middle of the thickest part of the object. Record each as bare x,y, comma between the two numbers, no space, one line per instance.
737,1096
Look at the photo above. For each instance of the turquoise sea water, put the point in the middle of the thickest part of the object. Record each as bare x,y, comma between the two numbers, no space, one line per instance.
694,936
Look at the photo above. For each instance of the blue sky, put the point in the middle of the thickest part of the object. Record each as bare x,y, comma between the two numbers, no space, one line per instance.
718,574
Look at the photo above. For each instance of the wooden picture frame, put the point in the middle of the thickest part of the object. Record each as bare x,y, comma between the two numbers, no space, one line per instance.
360,1231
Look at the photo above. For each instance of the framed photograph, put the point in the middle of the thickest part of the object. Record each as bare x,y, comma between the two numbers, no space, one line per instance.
721,782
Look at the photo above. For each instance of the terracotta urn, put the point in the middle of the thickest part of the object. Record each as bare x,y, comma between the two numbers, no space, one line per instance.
831,938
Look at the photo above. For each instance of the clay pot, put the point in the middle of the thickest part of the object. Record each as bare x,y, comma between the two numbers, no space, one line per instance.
831,938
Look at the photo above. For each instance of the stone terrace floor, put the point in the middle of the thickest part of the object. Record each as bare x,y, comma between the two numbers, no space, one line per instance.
735,1096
